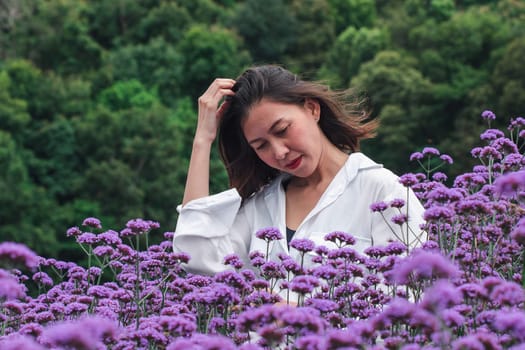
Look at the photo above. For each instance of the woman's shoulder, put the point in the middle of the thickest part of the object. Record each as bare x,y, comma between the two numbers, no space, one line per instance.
368,172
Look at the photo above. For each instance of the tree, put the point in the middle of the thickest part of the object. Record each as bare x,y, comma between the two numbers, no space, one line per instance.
55,35
509,79
352,48
314,34
265,38
167,21
157,65
127,94
353,13
402,100
209,53
13,111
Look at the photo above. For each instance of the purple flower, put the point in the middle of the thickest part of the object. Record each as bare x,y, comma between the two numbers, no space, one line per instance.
322,305
92,222
271,269
378,206
234,261
488,115
491,134
202,342
512,322
510,184
399,219
104,250
438,213
311,342
303,245
340,238
43,279
304,284
446,158
440,296
480,340
73,231
86,333
397,203
507,293
518,233
138,227
16,253
87,238
19,342
10,288
110,237
416,156
269,234
424,265
325,271
408,180
430,151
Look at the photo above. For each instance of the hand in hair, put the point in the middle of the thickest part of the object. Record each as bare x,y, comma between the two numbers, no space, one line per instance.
209,114
197,181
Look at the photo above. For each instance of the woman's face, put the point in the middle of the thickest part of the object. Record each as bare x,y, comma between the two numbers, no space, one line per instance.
286,136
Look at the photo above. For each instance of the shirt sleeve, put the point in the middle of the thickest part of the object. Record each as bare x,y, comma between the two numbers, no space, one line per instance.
210,228
384,230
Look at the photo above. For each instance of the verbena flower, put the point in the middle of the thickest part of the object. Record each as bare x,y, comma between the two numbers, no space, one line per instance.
86,333
16,254
424,265
378,206
488,115
269,234
10,287
303,245
92,222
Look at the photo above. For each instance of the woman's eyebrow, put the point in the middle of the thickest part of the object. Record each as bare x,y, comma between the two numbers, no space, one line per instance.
274,125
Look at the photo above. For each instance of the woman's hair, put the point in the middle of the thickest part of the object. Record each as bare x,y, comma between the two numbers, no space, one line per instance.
343,122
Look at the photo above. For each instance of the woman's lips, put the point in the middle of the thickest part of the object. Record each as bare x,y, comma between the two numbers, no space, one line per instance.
294,163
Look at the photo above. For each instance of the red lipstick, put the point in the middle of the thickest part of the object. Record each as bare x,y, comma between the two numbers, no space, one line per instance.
295,163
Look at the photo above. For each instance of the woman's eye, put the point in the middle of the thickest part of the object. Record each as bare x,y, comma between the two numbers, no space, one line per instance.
261,146
282,131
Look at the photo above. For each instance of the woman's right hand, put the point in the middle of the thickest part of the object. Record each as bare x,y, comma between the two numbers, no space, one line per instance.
209,112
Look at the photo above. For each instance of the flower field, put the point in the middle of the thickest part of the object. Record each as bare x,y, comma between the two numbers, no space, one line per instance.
460,289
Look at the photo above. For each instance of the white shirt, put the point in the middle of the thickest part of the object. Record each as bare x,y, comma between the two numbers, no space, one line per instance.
212,227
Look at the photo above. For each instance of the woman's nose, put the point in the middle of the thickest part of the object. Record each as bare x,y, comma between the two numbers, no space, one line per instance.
280,151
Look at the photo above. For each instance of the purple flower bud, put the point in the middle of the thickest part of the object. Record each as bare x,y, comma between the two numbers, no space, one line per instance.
303,245
446,158
92,222
397,203
408,180
430,151
304,284
234,261
488,115
73,231
269,234
378,206
416,156
399,219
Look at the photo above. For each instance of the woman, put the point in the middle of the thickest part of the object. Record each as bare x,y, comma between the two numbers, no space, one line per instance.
291,151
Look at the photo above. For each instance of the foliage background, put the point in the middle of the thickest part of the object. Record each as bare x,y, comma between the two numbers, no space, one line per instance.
98,98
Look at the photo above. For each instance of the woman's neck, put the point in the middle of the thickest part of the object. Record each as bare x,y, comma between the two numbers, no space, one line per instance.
331,161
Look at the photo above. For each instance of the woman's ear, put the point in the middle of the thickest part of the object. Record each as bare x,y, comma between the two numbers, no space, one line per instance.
312,106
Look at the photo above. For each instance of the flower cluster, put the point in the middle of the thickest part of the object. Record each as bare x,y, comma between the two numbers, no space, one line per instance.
460,289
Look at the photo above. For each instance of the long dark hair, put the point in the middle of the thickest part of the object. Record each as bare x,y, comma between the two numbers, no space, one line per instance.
343,122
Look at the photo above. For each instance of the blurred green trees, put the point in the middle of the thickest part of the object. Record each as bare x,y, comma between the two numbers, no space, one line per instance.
98,98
